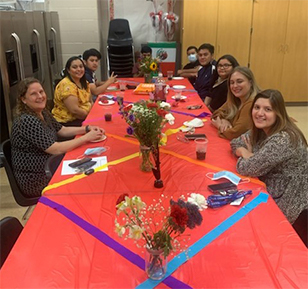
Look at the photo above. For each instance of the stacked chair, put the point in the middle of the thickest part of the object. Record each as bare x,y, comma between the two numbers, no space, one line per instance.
120,51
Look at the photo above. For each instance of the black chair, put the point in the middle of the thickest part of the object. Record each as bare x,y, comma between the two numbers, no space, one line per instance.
10,229
120,49
20,198
52,164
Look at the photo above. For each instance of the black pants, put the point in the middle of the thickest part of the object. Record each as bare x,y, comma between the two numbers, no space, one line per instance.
300,226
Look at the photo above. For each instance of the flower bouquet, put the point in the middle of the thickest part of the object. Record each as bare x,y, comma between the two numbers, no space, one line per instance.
146,120
149,67
158,227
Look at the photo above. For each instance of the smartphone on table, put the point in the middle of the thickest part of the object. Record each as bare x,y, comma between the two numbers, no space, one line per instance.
227,187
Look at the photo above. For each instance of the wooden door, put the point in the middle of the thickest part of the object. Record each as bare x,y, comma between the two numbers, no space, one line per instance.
267,42
233,29
294,82
199,24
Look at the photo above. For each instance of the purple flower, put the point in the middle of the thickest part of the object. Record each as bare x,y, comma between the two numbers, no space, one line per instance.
130,130
131,117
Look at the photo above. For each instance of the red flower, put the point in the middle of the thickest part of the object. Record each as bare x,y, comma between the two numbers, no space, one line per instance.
179,215
161,112
121,198
152,105
128,107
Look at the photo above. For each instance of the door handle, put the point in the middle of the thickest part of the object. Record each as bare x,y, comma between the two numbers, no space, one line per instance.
19,55
54,31
37,34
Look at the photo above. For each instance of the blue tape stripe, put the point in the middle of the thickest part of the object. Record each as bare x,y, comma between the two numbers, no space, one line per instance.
108,241
177,261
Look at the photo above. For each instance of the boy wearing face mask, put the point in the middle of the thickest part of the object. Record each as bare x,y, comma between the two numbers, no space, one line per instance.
190,70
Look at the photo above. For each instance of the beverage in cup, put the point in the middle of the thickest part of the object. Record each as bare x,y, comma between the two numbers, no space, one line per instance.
108,116
201,148
170,75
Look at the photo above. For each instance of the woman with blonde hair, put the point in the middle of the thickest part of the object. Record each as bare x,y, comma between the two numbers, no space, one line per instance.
233,118
275,151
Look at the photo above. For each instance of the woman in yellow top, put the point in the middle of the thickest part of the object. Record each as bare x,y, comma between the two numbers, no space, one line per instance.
233,118
72,99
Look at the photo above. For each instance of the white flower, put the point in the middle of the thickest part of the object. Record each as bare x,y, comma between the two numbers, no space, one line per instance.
137,202
120,230
164,104
123,205
135,232
170,118
198,200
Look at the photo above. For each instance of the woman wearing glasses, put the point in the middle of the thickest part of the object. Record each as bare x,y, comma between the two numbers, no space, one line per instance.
233,118
218,93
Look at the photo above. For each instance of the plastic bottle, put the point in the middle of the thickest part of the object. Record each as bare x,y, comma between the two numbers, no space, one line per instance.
160,85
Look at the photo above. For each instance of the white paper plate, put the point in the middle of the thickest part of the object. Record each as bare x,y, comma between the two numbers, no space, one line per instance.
178,86
101,139
192,124
112,88
110,102
178,78
182,97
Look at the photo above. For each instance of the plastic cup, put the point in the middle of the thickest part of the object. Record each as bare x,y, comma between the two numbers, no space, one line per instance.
177,94
108,116
122,86
201,148
170,74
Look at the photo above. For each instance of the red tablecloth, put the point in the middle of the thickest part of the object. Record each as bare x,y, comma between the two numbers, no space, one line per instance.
261,250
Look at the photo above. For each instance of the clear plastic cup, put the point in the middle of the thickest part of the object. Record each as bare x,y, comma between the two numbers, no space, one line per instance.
201,148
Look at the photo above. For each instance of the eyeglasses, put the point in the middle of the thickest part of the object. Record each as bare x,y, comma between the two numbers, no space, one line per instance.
226,65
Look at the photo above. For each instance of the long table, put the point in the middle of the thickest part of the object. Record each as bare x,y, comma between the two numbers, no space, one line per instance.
69,241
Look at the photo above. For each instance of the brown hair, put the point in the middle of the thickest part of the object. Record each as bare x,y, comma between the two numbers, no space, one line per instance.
22,90
233,103
282,123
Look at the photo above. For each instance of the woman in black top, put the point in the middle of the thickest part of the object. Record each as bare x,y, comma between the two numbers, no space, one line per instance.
219,88
34,137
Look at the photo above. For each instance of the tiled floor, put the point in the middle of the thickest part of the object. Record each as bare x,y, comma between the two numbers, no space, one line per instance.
8,206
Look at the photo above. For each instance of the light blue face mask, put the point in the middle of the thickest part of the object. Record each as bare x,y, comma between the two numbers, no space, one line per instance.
227,175
192,58
94,151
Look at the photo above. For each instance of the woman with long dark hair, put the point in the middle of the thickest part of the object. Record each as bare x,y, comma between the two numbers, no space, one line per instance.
72,99
219,87
275,151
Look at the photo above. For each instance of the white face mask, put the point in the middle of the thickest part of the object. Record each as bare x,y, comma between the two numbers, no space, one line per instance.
192,58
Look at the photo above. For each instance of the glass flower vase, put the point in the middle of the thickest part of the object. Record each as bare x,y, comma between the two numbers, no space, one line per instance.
145,158
155,263
148,77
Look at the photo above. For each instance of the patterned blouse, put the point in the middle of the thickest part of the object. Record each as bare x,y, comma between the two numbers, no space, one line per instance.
64,89
282,167
30,138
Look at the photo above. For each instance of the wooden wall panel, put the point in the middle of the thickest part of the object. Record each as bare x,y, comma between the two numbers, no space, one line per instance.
294,82
199,24
267,43
233,29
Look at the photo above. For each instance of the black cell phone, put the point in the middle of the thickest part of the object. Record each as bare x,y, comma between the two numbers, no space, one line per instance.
86,166
131,86
217,188
195,135
79,162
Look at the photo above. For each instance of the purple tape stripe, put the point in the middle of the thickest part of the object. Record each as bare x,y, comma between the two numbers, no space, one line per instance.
108,241
203,114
